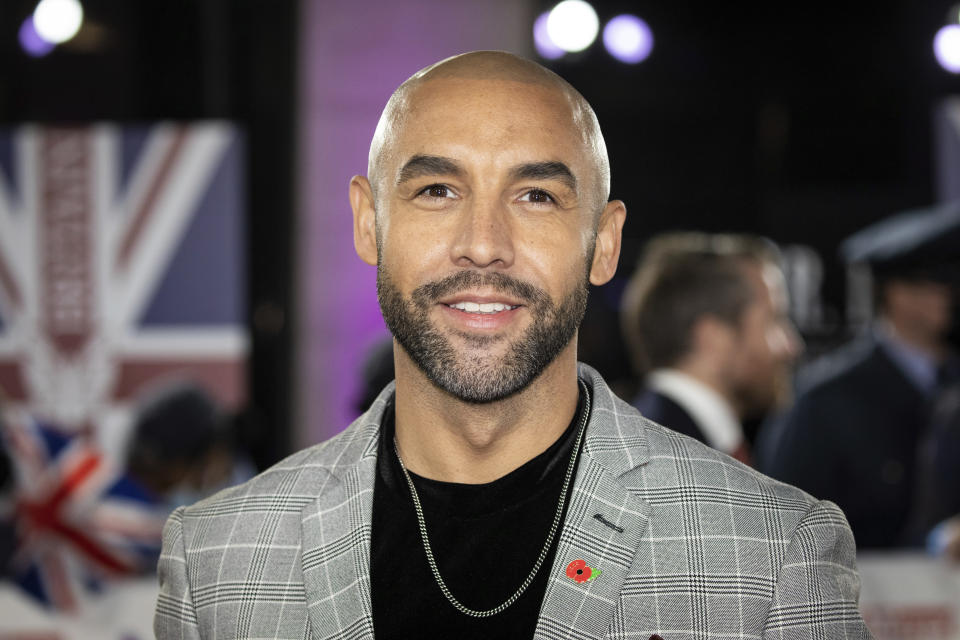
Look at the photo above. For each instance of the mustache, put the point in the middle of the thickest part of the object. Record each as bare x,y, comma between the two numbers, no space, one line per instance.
432,291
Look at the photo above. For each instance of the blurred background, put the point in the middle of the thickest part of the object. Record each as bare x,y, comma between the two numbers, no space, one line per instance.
178,287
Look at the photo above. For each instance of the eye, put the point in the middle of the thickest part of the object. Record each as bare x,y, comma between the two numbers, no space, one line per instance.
436,191
537,196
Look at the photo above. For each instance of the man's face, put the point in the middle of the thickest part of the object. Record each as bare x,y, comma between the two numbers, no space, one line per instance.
767,343
485,234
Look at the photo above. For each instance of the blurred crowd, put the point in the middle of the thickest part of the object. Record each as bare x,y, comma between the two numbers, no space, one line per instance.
72,518
873,426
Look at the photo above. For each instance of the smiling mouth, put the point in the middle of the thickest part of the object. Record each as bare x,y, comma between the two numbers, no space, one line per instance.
482,307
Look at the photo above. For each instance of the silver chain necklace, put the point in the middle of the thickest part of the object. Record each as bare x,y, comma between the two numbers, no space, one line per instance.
546,545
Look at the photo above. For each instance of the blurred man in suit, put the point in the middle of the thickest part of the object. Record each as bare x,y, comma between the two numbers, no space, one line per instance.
706,317
498,488
936,511
853,434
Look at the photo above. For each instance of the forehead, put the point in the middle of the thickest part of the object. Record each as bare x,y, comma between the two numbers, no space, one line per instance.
490,120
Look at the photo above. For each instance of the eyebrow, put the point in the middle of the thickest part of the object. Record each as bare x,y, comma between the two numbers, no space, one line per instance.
422,165
425,165
545,171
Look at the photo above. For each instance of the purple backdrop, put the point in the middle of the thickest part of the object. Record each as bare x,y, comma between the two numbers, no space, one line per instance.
353,56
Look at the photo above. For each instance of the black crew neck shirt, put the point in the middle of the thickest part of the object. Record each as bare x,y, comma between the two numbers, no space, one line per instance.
485,539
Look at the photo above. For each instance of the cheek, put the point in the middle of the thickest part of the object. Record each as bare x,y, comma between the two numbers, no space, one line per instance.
405,249
555,250
760,347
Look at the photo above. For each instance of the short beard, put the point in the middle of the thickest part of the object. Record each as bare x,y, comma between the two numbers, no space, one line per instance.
481,378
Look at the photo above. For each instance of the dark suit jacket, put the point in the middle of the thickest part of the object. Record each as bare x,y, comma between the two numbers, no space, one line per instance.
852,438
655,406
938,490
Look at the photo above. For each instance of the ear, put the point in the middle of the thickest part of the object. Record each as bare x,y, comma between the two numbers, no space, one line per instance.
364,219
606,253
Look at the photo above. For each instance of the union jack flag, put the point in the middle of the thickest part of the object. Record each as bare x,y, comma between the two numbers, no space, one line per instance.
78,519
121,268
120,264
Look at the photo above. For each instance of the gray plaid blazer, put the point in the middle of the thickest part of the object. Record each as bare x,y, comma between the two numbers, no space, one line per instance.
690,544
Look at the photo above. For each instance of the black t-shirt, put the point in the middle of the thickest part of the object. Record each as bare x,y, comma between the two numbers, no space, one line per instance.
485,539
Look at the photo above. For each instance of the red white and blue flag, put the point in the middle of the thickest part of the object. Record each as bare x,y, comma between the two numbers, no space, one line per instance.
78,518
121,268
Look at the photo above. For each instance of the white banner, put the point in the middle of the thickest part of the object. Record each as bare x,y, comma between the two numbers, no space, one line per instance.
123,612
910,596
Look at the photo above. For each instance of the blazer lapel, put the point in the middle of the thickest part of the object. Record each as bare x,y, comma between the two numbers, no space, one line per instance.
336,533
602,529
604,524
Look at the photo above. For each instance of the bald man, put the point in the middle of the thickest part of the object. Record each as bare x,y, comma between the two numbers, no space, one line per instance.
498,489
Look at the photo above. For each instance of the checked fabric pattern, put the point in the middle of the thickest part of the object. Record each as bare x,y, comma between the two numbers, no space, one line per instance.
690,543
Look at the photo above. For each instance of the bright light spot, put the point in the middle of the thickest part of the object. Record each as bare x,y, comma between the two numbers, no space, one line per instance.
628,38
573,25
57,21
546,47
31,41
946,46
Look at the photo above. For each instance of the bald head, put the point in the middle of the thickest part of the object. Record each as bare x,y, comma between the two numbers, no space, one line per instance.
493,67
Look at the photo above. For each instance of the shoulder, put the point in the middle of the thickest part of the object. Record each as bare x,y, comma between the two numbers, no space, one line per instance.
664,467
842,368
682,468
294,482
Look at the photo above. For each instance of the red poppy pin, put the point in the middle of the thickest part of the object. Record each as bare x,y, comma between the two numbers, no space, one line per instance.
578,571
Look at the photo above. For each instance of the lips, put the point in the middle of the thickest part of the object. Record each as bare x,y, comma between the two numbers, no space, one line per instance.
480,303
482,307
478,312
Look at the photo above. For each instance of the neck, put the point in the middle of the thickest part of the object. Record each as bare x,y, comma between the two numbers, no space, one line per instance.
713,377
922,341
443,438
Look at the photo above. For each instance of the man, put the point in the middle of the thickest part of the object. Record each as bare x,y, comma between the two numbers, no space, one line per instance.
706,319
853,434
498,489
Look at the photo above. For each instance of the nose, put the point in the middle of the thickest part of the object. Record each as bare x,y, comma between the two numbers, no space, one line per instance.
483,236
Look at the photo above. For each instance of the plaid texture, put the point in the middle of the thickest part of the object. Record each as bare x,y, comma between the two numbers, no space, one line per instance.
689,542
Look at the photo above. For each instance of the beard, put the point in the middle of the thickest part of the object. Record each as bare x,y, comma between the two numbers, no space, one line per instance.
477,375
759,396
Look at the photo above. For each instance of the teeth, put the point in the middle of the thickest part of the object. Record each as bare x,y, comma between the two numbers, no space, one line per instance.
486,307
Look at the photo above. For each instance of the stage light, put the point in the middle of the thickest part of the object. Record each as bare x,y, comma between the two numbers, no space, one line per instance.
546,47
628,38
57,21
573,25
946,47
31,42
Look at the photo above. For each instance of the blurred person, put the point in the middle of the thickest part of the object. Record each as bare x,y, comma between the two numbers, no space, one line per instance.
936,517
706,318
498,488
852,437
182,447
